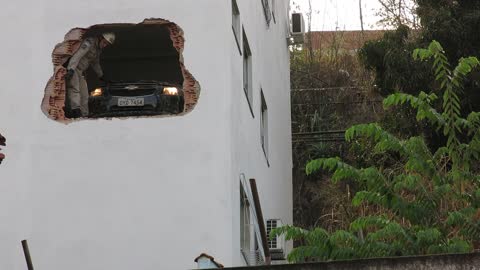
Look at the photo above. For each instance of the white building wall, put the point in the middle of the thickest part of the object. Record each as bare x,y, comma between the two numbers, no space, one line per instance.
271,73
148,193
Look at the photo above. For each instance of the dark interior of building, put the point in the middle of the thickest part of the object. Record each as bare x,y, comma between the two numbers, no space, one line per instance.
141,52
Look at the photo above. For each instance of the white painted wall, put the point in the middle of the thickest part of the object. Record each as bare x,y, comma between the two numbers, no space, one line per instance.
149,193
271,72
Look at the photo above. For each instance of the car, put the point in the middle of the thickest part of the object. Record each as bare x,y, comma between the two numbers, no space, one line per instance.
136,98
142,73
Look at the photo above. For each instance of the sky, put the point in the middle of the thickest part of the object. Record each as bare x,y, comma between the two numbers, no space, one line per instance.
330,15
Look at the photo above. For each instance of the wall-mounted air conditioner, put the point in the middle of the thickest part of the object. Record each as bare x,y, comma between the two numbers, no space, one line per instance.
298,28
277,244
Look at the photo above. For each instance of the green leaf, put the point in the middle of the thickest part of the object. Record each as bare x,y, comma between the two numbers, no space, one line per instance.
410,190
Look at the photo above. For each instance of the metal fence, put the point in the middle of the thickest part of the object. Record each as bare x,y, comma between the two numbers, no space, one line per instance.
323,114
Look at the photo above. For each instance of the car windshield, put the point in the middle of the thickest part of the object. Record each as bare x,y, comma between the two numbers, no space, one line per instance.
140,53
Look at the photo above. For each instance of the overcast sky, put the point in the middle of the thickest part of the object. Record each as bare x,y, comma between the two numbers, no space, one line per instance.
340,14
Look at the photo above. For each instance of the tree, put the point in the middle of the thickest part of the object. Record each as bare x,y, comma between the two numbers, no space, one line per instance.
395,13
426,202
452,23
390,60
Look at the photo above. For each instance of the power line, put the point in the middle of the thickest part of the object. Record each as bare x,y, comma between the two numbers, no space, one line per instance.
337,103
319,136
320,132
327,88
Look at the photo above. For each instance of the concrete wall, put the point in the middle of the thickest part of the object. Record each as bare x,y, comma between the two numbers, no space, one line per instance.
438,262
271,73
113,194
147,193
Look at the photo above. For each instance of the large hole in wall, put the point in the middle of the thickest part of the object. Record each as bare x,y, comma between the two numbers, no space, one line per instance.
120,70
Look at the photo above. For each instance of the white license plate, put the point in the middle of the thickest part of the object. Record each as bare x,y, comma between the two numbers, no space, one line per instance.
131,102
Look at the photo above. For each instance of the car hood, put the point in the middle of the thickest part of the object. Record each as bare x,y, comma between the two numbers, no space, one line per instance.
140,84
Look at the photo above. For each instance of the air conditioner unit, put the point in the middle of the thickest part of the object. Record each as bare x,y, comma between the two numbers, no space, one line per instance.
277,244
298,28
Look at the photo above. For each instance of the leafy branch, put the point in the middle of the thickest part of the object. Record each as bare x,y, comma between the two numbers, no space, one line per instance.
431,204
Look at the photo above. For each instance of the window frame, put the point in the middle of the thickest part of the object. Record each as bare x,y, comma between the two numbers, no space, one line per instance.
264,134
273,7
245,222
247,63
236,23
267,11
250,245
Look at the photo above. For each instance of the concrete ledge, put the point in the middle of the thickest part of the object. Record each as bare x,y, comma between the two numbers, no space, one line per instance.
468,261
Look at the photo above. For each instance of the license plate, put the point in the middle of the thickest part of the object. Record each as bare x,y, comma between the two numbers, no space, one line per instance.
131,102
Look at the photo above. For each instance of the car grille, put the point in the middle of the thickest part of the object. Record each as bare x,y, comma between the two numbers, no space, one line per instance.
142,90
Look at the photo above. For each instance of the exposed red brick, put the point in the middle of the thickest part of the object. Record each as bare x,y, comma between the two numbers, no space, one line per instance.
191,87
346,40
54,99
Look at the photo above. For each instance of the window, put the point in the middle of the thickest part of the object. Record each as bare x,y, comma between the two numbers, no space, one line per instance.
247,71
251,248
248,241
245,224
264,124
267,10
273,11
236,23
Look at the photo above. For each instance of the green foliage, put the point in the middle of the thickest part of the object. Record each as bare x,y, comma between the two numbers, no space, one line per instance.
453,23
427,202
389,58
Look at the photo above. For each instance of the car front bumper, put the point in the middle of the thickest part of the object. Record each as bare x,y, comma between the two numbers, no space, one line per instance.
106,106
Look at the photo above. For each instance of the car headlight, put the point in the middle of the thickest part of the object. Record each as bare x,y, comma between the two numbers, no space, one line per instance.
171,91
97,92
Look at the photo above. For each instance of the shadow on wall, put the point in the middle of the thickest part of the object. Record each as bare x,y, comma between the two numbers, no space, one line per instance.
120,70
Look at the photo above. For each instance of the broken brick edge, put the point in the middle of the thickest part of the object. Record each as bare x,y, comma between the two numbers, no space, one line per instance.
53,102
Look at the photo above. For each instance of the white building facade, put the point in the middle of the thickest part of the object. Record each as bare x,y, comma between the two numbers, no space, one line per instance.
145,192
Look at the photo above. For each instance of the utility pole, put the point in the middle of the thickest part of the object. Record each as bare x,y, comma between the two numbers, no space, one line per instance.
309,34
361,14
